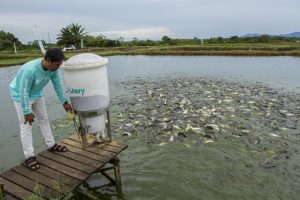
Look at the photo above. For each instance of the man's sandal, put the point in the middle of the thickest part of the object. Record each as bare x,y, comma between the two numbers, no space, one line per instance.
31,163
59,148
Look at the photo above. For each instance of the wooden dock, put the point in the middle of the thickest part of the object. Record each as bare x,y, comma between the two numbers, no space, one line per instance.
61,172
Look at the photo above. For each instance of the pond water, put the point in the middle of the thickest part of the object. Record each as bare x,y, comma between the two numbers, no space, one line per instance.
178,170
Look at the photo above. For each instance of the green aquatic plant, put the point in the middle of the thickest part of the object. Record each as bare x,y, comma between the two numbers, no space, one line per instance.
58,187
37,193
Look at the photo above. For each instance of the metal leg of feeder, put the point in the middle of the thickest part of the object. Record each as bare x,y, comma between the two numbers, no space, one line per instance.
84,141
83,134
116,162
108,125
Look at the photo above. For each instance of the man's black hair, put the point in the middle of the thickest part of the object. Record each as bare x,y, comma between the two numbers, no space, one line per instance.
54,55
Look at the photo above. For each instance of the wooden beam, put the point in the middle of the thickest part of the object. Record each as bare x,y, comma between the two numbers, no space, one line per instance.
111,143
15,190
116,144
87,154
80,159
59,176
30,185
42,179
68,162
89,148
9,197
62,168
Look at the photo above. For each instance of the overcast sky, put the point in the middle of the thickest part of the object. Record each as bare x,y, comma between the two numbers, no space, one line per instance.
150,19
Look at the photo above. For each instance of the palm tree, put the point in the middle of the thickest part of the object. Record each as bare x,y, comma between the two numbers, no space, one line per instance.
71,35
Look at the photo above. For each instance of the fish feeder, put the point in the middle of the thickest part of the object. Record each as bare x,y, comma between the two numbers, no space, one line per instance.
87,86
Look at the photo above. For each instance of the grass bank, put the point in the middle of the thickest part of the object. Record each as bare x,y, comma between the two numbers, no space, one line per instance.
247,49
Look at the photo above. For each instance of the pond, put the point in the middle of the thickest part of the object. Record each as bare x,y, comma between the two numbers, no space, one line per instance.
161,163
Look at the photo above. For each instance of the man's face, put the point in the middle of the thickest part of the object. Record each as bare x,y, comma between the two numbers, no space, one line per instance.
53,66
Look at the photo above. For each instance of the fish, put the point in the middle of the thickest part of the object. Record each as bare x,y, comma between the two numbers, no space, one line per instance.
208,141
274,135
126,134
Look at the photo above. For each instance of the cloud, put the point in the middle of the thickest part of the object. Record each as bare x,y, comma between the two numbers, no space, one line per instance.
141,33
150,19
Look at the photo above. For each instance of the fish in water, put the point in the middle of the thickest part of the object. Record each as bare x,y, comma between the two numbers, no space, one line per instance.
207,110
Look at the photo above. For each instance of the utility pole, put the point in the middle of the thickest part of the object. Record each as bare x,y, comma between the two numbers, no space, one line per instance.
15,47
39,40
81,43
14,43
49,38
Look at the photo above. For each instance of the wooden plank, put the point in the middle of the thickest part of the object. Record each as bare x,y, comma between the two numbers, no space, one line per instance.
68,162
106,147
9,197
15,190
81,159
42,179
90,149
59,176
87,154
30,185
62,168
117,144
111,143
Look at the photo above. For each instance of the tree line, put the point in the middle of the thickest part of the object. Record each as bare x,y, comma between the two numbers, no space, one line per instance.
74,34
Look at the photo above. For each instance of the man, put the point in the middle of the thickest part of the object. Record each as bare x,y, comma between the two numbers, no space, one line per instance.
26,90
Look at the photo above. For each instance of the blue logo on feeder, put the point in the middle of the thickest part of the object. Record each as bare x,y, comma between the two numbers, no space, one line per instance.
79,91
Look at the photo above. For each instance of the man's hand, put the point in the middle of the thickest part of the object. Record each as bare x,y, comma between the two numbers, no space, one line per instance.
68,107
29,118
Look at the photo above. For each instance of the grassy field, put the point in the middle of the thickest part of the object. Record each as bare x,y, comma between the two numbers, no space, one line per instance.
256,49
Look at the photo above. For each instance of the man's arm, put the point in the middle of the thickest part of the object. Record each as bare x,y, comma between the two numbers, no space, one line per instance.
59,91
25,84
57,87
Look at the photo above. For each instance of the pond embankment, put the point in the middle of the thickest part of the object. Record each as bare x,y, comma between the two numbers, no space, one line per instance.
9,59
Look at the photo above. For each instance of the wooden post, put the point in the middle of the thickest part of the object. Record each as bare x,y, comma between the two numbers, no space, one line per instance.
1,191
116,162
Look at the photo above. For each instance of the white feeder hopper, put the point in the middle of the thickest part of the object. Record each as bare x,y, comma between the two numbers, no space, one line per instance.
87,86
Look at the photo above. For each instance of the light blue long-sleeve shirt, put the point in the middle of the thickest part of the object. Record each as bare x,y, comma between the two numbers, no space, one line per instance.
30,81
